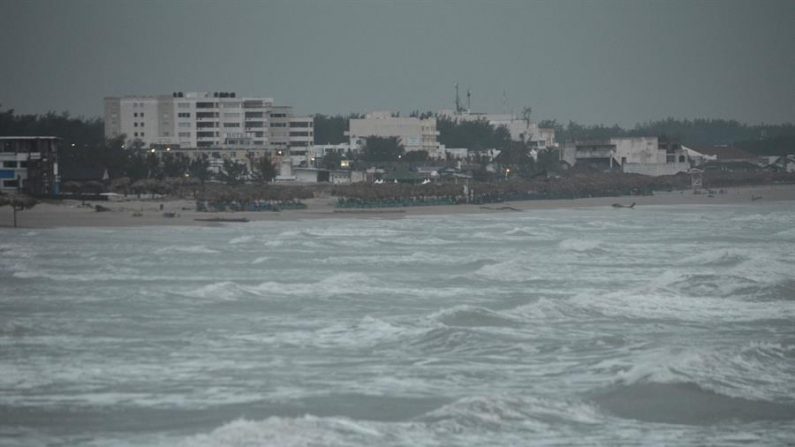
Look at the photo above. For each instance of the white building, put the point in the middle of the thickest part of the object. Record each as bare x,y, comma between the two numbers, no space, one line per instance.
636,155
219,123
521,129
413,133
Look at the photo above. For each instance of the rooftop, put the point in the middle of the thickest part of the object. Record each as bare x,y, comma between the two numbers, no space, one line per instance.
726,153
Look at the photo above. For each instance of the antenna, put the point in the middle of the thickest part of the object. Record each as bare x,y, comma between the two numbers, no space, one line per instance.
469,105
457,99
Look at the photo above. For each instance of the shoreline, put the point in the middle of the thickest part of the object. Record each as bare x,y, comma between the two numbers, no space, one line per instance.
70,213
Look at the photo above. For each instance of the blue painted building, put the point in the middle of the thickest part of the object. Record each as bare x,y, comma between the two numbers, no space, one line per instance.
29,165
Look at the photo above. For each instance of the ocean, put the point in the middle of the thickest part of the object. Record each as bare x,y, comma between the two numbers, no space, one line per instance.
660,325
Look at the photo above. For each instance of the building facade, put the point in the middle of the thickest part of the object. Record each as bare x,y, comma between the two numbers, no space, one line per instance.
415,134
635,155
29,165
221,124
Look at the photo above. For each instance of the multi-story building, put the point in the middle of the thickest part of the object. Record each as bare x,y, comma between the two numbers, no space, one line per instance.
415,134
219,123
29,164
636,155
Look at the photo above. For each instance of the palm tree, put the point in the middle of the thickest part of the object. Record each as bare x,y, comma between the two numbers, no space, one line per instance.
17,203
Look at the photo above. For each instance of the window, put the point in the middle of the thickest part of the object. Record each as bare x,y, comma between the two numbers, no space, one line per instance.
231,124
231,114
135,114
205,105
135,124
254,114
254,124
135,134
184,125
184,114
184,134
299,124
9,164
278,124
142,134
278,115
23,164
183,105
165,134
11,183
299,134
142,114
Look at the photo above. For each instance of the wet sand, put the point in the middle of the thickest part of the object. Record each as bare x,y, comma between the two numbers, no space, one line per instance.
133,212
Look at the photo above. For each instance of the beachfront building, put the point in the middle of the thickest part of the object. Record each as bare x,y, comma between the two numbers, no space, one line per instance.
29,165
414,134
636,155
521,129
219,124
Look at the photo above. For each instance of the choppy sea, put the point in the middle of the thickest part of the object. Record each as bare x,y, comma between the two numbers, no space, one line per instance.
660,325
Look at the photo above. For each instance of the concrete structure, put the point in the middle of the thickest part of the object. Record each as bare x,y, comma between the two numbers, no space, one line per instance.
219,124
415,134
521,129
29,165
301,138
455,153
638,155
319,175
321,150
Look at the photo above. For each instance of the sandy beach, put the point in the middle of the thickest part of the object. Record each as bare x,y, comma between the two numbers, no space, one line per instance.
133,212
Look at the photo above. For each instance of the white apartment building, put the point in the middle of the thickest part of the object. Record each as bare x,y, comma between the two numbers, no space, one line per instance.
197,122
414,134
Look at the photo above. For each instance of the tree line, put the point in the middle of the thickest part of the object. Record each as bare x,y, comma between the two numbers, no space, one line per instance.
761,139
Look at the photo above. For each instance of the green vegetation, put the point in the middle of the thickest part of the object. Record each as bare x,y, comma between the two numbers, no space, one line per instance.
760,139
378,149
473,135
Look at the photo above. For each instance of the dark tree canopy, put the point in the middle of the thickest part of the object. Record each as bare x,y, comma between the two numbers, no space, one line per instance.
383,149
473,135
263,170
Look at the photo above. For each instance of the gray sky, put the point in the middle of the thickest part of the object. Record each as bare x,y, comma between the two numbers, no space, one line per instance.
592,62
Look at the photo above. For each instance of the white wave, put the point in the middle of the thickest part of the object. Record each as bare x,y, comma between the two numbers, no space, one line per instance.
193,249
654,304
513,270
473,316
497,411
261,259
241,240
222,291
580,245
290,432
756,370
720,257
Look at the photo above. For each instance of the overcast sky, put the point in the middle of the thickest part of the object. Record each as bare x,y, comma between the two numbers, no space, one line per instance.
588,61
